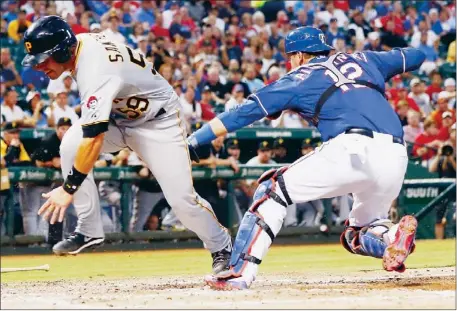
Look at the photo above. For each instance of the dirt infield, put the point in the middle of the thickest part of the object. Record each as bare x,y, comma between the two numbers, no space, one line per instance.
426,288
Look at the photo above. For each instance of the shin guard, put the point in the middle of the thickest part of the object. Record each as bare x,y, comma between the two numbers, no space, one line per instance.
368,240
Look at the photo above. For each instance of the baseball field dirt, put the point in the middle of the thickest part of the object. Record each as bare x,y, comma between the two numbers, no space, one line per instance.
292,277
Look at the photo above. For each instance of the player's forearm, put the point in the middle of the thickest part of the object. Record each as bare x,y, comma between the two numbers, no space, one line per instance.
226,122
86,156
88,153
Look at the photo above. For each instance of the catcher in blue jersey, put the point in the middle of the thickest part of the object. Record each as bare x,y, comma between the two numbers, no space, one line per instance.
363,152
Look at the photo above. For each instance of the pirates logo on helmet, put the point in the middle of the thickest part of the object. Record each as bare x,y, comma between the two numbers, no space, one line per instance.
48,36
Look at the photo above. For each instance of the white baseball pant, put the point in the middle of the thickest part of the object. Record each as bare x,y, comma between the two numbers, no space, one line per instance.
372,169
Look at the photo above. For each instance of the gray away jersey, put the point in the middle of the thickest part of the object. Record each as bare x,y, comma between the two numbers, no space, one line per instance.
115,81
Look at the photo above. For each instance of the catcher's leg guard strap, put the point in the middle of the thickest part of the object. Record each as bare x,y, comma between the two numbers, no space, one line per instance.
368,240
282,186
252,259
266,189
262,224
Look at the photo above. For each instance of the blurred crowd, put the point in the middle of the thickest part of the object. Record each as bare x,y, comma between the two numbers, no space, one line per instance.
215,53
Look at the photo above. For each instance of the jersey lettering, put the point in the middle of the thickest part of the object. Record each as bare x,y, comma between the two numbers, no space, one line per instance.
111,47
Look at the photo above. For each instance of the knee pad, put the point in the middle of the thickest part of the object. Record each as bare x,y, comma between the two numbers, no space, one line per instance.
250,228
267,186
368,240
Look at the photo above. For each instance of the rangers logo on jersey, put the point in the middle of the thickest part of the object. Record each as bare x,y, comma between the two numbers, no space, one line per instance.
92,102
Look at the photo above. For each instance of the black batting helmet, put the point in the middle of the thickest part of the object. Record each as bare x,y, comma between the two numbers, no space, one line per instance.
48,36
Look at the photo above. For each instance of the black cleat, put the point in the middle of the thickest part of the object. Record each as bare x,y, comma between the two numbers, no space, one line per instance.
75,243
221,259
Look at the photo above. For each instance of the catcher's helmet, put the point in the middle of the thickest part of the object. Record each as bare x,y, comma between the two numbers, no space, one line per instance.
306,39
48,36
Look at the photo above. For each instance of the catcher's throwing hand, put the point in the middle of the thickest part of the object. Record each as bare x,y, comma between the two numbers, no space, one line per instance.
56,205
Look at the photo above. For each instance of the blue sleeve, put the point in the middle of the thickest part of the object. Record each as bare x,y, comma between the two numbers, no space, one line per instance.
396,61
268,101
279,95
242,115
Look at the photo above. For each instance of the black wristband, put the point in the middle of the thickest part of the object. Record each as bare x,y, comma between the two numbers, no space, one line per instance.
73,181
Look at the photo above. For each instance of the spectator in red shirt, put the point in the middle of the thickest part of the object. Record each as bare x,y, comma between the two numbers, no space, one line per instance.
207,97
343,5
402,95
207,36
397,85
186,20
396,17
207,111
435,87
442,106
444,131
73,22
427,142
157,29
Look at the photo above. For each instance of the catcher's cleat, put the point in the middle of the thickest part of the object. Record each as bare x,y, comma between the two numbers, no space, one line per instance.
221,259
75,243
403,245
226,285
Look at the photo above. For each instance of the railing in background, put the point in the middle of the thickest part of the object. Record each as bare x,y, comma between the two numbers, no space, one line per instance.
126,176
246,133
414,195
421,197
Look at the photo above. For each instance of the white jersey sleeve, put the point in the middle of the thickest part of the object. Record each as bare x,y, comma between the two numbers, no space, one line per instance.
118,84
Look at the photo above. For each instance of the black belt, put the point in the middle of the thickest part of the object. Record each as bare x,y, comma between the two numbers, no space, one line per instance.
369,133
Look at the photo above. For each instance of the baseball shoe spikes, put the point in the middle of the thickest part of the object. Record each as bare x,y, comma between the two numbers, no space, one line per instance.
403,245
75,243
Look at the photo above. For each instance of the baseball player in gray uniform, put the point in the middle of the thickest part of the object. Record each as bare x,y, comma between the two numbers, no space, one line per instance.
125,103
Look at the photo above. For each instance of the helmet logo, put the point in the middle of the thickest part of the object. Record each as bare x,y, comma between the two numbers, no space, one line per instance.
322,37
28,46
